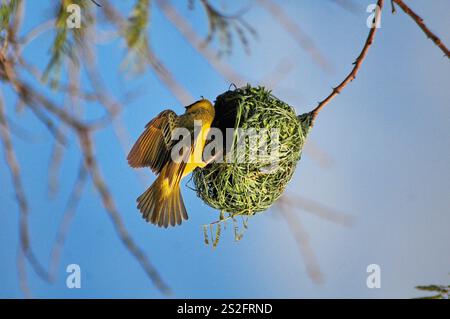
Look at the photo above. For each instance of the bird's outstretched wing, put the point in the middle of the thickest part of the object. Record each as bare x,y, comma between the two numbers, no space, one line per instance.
153,147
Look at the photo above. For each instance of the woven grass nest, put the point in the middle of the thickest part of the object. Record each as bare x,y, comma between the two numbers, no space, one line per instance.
245,188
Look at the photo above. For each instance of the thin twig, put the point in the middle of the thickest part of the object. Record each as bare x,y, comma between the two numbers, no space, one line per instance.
281,71
14,169
49,124
185,28
108,203
164,75
393,9
22,274
287,205
96,3
357,64
168,79
348,5
70,102
320,156
67,218
23,133
112,106
33,34
74,91
20,197
32,97
318,209
302,239
301,37
424,27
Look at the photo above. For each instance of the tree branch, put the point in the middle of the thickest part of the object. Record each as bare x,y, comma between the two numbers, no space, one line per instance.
302,239
185,28
303,40
357,64
108,202
13,165
67,218
417,19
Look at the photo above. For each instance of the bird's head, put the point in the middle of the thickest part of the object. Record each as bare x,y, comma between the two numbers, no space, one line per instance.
203,105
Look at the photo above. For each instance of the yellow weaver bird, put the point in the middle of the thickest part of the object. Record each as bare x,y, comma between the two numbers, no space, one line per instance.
162,204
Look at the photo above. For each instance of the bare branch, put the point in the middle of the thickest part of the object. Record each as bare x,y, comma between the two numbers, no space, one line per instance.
281,71
320,156
287,205
23,133
197,43
14,169
112,106
22,273
318,209
357,64
56,157
223,25
33,97
49,124
167,78
303,40
57,153
163,74
33,34
424,27
108,203
67,218
302,238
348,5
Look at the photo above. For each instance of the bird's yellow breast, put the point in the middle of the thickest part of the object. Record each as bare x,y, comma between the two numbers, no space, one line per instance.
196,158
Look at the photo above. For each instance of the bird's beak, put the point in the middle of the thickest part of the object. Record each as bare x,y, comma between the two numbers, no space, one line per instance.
188,106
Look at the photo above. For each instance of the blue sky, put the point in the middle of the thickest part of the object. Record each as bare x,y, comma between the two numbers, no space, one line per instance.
387,136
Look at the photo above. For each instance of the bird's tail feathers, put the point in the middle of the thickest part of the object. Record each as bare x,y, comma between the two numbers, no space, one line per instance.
162,207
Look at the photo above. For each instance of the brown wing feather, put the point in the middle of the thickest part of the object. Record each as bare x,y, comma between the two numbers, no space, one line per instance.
152,149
